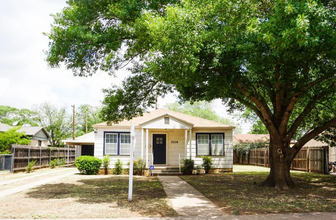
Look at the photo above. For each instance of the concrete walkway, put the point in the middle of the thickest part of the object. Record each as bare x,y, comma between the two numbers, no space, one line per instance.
186,200
68,172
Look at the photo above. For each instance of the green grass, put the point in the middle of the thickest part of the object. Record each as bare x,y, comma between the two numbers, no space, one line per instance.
240,193
148,194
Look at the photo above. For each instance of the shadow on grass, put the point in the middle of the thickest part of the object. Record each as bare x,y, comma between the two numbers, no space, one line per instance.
149,197
241,193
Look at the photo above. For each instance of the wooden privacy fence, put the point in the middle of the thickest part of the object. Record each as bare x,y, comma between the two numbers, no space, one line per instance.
23,154
309,159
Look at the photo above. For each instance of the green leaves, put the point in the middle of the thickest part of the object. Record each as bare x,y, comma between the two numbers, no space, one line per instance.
12,136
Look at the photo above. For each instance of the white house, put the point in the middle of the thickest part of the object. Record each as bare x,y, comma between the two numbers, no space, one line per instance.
164,137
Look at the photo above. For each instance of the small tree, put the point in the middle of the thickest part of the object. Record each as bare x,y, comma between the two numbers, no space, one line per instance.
207,163
12,136
106,163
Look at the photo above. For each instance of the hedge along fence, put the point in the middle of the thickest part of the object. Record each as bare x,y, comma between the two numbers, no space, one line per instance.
23,154
308,159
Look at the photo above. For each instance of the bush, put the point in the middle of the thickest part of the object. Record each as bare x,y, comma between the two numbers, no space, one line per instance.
88,165
30,166
62,161
118,167
207,163
53,163
106,163
187,166
139,167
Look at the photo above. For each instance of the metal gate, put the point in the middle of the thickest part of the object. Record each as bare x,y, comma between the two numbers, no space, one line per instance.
6,161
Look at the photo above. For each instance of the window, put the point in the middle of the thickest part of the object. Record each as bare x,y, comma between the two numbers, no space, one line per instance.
166,120
210,144
117,143
39,143
111,144
125,144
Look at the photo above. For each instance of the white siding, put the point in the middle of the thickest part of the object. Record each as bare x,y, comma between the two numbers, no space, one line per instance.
173,149
159,124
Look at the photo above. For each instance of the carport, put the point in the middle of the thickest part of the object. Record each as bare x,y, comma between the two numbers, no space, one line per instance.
84,144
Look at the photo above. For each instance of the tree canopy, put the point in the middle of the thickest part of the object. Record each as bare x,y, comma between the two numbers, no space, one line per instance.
86,116
276,58
204,110
56,121
18,117
10,137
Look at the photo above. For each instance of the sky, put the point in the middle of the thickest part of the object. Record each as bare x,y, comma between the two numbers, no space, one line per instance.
26,79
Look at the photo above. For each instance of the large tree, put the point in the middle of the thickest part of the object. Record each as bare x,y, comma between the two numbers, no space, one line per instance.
56,121
276,58
18,117
86,116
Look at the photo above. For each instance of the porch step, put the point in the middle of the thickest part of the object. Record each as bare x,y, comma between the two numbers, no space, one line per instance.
166,171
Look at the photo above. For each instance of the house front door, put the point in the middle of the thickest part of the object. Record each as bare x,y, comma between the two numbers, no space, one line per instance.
159,148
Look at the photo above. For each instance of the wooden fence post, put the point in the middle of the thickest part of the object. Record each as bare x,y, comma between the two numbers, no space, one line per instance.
40,158
28,154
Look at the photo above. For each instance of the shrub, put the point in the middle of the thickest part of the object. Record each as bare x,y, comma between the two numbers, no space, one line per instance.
62,161
118,167
53,163
106,163
139,167
187,166
207,163
30,166
88,165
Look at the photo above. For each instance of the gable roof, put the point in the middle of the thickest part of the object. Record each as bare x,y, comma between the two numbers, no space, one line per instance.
4,127
84,139
196,122
30,131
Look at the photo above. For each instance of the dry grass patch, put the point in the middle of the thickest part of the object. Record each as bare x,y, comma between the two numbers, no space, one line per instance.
240,193
81,196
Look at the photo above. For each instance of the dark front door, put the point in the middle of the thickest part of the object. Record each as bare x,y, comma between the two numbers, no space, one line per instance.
159,148
87,150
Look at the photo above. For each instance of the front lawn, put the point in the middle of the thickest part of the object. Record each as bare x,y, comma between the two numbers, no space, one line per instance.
81,196
240,193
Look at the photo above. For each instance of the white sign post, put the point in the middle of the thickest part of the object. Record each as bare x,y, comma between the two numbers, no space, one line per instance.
130,183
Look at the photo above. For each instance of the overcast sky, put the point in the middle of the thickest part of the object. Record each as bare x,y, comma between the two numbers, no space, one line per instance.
26,79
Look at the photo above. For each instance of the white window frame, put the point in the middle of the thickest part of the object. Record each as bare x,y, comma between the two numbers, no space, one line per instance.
124,144
106,144
210,145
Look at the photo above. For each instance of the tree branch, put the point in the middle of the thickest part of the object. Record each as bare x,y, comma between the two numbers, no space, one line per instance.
316,131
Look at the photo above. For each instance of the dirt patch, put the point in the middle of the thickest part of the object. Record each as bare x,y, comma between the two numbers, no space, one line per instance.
81,196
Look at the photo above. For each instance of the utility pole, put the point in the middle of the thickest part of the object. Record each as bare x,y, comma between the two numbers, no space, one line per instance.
73,122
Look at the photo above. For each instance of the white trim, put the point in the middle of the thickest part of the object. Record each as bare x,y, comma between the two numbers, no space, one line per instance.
185,143
190,139
142,142
146,148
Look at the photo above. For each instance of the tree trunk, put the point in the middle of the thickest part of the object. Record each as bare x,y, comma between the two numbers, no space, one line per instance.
280,158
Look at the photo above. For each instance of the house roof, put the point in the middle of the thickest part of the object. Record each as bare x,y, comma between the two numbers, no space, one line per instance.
315,143
243,138
84,139
29,131
192,120
4,127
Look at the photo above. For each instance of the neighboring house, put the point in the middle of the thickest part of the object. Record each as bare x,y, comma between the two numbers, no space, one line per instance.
84,144
39,136
163,138
315,143
250,138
